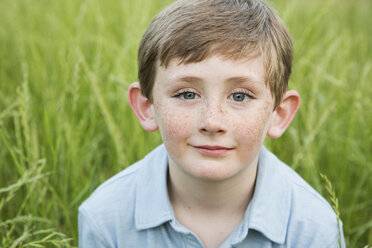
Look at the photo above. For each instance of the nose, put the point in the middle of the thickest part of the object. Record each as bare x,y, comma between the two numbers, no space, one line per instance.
212,119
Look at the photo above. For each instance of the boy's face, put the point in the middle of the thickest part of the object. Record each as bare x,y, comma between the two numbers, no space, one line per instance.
213,115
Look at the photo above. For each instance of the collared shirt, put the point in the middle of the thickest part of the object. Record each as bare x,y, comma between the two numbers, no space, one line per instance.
132,209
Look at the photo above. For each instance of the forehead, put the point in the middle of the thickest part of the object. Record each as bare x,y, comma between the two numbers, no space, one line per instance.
213,68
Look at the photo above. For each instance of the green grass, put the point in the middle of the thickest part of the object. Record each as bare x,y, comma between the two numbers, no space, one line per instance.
66,126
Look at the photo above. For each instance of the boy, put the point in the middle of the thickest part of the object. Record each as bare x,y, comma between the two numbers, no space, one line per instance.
213,79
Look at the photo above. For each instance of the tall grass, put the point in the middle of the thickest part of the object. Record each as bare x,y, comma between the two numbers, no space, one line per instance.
66,126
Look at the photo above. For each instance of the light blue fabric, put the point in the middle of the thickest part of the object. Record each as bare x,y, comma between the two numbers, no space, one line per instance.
132,209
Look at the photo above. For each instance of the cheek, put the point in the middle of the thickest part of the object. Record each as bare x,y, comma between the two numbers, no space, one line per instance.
173,122
251,126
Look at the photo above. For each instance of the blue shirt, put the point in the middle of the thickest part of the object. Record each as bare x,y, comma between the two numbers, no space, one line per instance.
132,209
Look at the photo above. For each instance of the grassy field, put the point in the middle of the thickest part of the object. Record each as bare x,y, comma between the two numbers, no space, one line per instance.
66,126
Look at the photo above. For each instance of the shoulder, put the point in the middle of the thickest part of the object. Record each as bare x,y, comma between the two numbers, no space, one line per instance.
302,193
120,190
110,210
110,193
112,202
312,221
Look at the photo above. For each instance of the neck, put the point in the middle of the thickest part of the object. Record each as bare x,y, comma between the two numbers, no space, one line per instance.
206,197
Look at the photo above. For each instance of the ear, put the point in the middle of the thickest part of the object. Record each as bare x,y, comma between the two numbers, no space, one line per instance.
142,108
284,113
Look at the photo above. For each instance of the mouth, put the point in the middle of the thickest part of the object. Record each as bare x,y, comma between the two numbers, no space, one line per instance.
213,150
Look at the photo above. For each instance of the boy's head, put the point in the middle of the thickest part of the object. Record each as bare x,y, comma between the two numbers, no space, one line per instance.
213,79
193,30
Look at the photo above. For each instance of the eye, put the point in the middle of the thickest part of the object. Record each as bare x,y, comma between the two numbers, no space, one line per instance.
238,97
186,95
241,95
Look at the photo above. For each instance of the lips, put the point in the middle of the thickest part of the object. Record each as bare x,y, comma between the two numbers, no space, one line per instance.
213,150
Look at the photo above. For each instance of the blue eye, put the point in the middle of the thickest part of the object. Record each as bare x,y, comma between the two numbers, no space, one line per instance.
238,97
188,95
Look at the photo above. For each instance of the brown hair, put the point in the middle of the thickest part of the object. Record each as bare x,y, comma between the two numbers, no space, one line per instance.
193,30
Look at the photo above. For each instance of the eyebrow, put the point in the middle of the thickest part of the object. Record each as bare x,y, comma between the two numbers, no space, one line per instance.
189,79
242,79
235,80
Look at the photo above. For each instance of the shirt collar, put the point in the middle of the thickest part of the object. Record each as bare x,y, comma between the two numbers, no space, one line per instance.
267,213
269,210
153,207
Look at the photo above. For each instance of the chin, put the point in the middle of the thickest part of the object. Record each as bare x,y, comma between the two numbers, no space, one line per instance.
212,172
